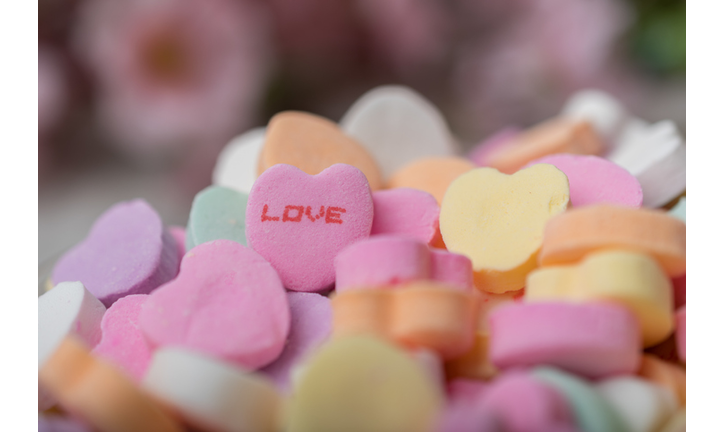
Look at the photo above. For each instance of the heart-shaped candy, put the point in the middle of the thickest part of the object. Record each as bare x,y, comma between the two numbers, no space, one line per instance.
497,221
217,213
300,222
227,301
128,251
236,166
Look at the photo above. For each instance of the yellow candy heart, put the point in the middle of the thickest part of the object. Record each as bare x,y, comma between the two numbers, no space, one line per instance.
360,383
632,279
497,220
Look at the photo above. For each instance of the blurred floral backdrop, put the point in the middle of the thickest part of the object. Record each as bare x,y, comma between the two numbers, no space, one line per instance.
160,86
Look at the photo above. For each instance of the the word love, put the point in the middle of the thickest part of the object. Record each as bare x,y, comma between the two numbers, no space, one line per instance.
297,213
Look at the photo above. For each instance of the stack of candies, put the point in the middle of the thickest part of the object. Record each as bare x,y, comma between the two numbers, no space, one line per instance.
362,277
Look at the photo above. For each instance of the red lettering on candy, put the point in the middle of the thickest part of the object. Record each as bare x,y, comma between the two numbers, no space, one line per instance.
265,218
297,217
333,215
315,217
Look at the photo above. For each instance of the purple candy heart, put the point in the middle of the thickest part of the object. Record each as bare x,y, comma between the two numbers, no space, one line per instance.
128,251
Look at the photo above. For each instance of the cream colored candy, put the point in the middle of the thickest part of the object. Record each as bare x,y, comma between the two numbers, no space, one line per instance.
603,111
361,383
642,405
397,125
557,135
570,236
432,175
313,144
237,163
212,394
497,221
677,422
666,374
629,278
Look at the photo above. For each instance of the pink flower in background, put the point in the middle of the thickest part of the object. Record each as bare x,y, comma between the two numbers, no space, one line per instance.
173,73
52,91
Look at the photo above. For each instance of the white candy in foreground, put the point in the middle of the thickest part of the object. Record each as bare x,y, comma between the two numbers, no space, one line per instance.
213,395
603,111
397,125
656,155
67,308
236,165
642,405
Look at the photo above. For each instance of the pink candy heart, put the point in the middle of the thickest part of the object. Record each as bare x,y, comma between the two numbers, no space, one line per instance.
300,222
227,302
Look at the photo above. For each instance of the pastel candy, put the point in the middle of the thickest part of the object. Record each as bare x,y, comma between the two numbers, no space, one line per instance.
677,422
179,236
391,391
593,339
432,175
54,423
381,261
406,211
666,374
100,394
469,417
299,223
643,406
591,411
679,210
397,125
681,333
122,342
211,394
68,308
571,235
656,155
417,315
497,221
557,135
237,163
603,111
217,213
482,151
525,404
313,144
451,268
594,180
475,363
631,279
227,302
128,251
311,325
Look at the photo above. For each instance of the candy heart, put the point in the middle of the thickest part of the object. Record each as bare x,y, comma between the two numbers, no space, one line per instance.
237,163
432,175
594,180
360,383
406,211
497,221
642,405
217,213
397,125
299,222
481,153
603,111
227,301
122,342
128,251
313,144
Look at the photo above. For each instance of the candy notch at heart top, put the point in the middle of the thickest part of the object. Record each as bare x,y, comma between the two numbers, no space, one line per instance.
497,221
128,251
227,302
300,222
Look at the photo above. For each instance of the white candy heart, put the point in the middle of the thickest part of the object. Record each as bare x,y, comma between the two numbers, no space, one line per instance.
603,111
642,405
397,125
237,163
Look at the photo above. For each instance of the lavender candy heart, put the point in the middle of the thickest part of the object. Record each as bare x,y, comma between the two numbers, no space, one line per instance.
128,251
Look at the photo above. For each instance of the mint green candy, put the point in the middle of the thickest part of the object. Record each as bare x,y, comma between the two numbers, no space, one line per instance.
592,412
217,213
679,210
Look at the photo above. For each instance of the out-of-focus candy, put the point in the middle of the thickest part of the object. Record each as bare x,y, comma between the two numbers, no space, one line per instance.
642,405
299,222
432,175
593,339
497,221
179,235
406,211
128,251
451,268
480,154
313,144
217,213
568,237
681,333
397,125
360,383
631,279
679,210
677,422
237,163
606,114
666,374
211,394
227,302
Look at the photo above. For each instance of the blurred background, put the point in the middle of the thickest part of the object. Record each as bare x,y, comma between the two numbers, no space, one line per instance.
136,98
